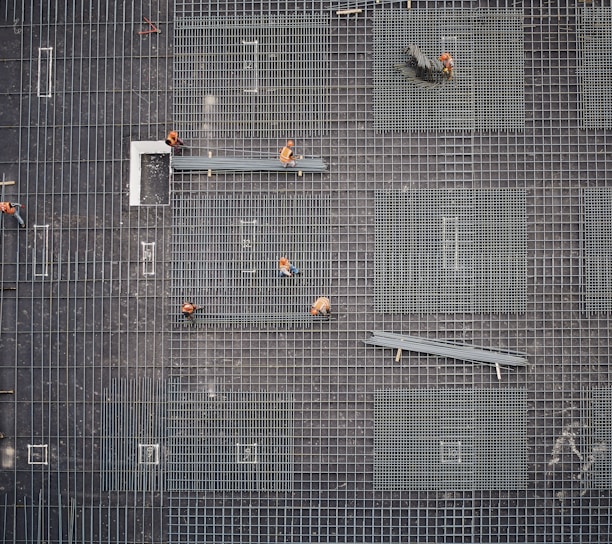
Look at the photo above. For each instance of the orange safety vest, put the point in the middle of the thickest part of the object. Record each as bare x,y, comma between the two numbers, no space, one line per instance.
172,138
321,306
286,155
188,308
284,264
6,207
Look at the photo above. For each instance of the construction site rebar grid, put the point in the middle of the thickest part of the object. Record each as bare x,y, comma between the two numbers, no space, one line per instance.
241,442
597,249
594,36
251,77
482,95
450,439
225,253
450,251
86,298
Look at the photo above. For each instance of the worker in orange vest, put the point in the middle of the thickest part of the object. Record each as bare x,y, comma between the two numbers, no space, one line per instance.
448,63
285,268
188,309
321,306
12,208
286,155
174,142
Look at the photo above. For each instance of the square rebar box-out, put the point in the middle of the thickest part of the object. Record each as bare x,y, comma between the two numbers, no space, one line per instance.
231,442
450,439
597,249
226,248
258,76
450,251
594,38
479,97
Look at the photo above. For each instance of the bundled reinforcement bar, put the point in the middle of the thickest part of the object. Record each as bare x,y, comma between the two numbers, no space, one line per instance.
237,164
446,349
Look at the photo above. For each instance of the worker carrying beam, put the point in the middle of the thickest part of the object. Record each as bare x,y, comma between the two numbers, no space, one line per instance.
286,269
12,208
321,306
175,142
286,155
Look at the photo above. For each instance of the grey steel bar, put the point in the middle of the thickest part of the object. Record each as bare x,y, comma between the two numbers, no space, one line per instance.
232,164
443,349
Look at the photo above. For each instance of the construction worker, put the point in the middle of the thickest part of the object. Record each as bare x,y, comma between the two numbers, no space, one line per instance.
286,155
12,208
174,142
286,269
321,306
188,310
448,63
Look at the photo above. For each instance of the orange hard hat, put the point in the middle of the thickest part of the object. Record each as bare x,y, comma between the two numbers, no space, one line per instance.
313,311
188,307
290,143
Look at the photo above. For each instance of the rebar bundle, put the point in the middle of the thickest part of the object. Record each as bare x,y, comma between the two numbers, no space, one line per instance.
451,350
421,70
242,164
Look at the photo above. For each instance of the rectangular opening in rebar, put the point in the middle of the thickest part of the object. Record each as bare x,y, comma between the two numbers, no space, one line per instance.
148,454
148,258
250,66
37,454
45,69
450,243
40,251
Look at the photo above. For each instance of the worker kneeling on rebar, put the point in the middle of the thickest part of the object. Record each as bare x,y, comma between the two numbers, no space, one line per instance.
321,306
286,269
286,155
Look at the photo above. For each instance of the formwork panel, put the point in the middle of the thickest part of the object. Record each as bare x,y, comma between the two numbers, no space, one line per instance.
594,35
479,96
237,441
456,250
259,76
450,439
226,247
597,209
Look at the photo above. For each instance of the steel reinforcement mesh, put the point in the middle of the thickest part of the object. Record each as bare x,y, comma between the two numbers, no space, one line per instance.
87,289
241,76
452,440
225,253
485,93
594,36
597,249
450,251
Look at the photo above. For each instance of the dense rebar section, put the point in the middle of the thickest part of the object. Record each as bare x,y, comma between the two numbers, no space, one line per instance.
238,164
601,425
225,252
597,210
236,441
259,76
594,39
450,439
131,436
455,250
487,89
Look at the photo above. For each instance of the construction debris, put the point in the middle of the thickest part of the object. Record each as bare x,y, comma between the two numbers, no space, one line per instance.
451,350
